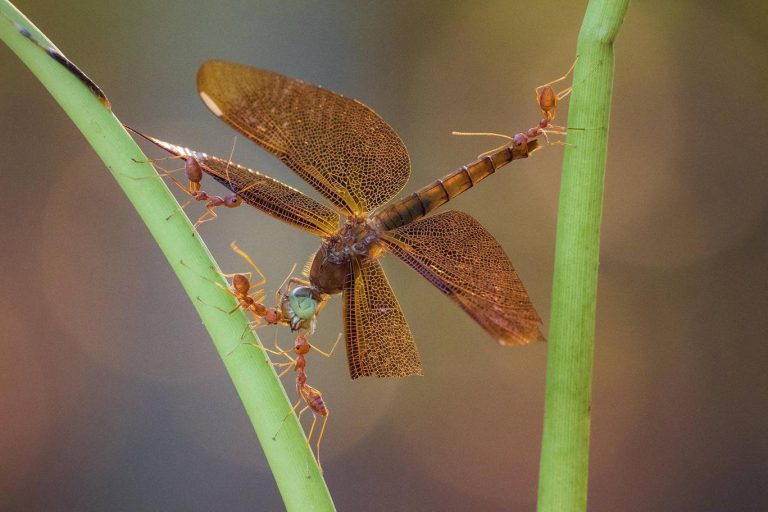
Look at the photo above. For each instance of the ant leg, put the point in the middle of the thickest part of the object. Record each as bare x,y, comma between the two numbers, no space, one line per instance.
274,437
248,327
277,353
211,281
280,375
482,134
182,187
312,427
160,175
538,89
558,142
279,291
487,134
298,416
231,311
208,216
221,286
277,345
247,258
330,352
185,190
246,274
319,439
200,299
256,345
153,160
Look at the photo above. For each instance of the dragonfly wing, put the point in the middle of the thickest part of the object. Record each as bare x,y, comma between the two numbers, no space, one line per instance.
262,192
338,145
457,255
379,341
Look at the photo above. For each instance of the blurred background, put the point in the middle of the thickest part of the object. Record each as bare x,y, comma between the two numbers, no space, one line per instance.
111,393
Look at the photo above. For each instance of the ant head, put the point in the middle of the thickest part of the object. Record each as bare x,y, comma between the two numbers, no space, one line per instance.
193,169
232,201
272,316
301,345
241,283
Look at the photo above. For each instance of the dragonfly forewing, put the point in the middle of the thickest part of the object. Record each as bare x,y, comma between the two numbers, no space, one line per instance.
337,144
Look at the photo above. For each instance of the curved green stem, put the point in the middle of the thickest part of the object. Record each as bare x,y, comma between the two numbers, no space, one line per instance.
564,467
261,392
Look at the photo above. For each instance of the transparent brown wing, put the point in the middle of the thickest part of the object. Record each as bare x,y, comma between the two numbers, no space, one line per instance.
338,145
379,341
268,195
457,255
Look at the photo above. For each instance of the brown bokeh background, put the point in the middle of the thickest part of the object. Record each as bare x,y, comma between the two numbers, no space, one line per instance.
112,396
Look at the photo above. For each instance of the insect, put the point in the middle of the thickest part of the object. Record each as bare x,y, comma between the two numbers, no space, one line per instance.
195,175
312,398
547,100
250,296
358,163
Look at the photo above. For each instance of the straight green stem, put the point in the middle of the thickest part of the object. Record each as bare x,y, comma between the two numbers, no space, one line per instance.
563,474
263,396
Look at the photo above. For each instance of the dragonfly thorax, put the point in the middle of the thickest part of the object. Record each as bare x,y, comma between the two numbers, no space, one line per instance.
356,239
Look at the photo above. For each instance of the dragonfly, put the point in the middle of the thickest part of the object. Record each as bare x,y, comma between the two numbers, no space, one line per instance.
358,163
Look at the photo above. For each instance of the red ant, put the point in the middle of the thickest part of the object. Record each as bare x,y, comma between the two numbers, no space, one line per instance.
309,395
547,100
252,302
194,172
193,168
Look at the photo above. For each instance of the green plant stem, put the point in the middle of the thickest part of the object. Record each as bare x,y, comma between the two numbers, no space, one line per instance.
292,463
563,474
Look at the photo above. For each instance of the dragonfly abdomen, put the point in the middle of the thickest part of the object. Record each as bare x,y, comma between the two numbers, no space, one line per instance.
420,203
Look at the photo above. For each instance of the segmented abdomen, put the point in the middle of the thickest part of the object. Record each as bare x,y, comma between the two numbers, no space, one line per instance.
420,203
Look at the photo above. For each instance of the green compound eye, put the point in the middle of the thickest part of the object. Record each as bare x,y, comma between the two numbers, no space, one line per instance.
302,303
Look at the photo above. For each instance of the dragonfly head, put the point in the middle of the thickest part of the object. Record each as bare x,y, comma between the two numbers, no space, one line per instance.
302,302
